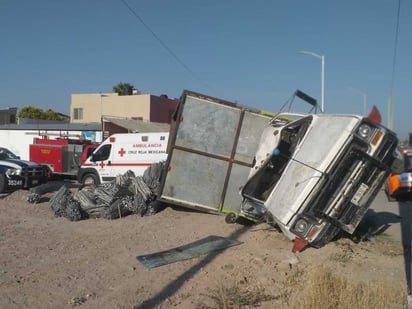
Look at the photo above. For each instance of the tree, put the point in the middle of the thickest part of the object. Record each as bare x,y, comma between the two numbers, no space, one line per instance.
32,112
52,115
125,89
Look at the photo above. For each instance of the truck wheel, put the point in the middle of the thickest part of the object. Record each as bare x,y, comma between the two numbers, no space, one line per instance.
2,183
231,218
90,180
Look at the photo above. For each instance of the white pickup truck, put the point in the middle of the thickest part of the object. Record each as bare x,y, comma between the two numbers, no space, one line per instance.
315,175
312,175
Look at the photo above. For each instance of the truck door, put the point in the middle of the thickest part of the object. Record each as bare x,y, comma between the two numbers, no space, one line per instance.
102,161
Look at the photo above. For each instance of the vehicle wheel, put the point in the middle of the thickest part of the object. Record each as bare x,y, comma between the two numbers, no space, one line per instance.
90,180
2,183
231,218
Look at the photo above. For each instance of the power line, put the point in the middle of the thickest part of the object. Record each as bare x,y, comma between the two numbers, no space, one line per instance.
395,52
164,44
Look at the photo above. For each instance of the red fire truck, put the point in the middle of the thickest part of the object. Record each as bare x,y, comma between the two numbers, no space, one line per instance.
63,156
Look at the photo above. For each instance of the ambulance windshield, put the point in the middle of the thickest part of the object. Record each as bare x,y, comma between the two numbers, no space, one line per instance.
102,153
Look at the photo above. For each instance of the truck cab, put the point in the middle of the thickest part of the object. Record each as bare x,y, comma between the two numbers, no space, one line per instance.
18,174
317,174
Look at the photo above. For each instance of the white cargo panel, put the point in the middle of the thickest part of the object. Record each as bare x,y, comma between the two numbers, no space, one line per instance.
211,153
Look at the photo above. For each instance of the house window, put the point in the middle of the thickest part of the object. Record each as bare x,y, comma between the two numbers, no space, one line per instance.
78,113
13,118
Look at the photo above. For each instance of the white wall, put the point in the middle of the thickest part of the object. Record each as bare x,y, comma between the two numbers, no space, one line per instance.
18,141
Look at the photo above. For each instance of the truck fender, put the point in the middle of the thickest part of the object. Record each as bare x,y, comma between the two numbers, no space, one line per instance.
88,177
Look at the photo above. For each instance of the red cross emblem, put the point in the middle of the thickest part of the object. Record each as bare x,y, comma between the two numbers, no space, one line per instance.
102,164
121,152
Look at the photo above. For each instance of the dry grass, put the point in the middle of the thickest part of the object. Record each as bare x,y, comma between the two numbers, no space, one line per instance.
322,288
312,289
238,295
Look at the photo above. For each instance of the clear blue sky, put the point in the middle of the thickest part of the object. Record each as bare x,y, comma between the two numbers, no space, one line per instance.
241,51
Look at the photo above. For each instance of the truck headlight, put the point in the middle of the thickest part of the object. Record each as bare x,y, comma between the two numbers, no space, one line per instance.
301,226
13,172
365,131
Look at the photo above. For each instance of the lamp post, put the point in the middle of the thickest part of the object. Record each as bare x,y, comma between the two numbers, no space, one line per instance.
101,107
364,99
101,111
322,86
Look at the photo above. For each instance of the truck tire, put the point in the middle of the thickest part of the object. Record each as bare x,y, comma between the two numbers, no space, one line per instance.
231,218
90,179
2,183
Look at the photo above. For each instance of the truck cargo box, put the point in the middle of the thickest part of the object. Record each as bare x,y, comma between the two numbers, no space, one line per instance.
211,151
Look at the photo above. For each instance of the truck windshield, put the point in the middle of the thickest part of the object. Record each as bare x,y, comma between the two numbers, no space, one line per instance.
102,153
7,154
260,185
280,120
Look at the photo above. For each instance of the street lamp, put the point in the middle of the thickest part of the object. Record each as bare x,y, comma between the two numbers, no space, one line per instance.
101,111
101,106
322,86
102,95
364,99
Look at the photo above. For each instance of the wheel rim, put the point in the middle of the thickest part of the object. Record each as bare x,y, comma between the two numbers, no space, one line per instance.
88,181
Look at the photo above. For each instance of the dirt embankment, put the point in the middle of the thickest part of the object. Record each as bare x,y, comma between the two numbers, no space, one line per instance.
50,262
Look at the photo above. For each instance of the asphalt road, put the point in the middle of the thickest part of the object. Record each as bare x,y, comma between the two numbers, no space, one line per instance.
394,219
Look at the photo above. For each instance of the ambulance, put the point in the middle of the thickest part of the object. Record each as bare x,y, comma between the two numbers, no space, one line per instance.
122,152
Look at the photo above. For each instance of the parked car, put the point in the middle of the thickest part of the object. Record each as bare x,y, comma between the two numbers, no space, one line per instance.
18,174
399,185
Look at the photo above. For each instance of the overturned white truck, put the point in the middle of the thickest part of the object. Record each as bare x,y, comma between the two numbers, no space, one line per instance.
311,175
317,174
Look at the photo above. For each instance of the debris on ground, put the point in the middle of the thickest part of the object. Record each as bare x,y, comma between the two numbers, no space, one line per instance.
127,194
35,193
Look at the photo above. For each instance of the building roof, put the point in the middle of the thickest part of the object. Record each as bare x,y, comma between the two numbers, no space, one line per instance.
138,125
65,126
132,125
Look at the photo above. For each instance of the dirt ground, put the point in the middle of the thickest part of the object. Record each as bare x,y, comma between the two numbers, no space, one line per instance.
50,262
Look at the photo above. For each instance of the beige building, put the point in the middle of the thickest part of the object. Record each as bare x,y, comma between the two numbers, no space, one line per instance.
88,108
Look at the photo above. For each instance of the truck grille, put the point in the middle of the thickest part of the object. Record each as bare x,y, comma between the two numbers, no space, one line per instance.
38,173
34,172
352,185
386,149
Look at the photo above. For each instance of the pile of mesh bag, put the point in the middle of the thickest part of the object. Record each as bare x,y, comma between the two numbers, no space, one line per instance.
125,195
